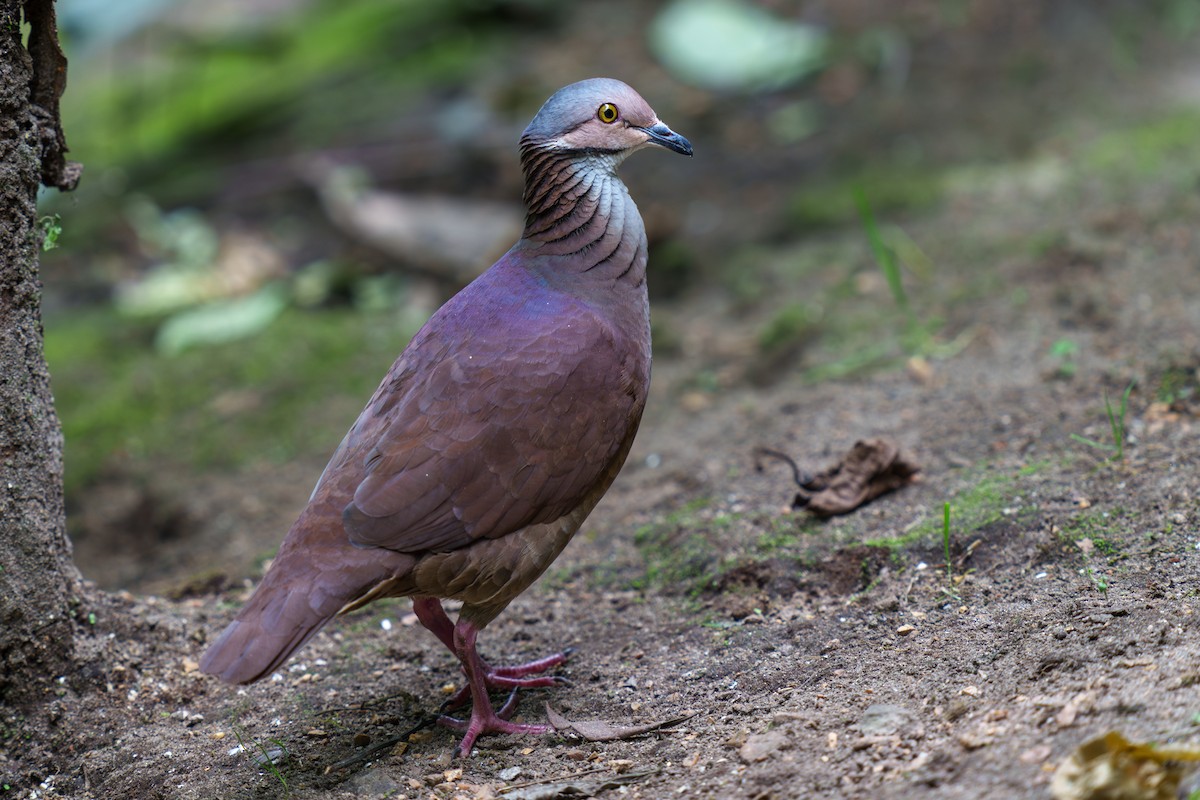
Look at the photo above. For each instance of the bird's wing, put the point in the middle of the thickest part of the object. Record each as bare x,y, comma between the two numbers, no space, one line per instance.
513,428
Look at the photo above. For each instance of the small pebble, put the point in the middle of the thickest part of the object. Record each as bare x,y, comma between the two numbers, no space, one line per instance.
271,756
886,719
761,746
905,630
971,742
509,773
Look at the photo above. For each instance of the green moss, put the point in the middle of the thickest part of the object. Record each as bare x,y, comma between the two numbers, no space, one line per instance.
1168,144
1176,384
691,550
892,189
1107,530
990,497
290,391
687,552
787,329
329,67
679,551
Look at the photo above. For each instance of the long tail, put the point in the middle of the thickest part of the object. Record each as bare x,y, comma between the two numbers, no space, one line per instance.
303,590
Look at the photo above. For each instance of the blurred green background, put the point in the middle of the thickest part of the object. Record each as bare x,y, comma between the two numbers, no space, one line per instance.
273,194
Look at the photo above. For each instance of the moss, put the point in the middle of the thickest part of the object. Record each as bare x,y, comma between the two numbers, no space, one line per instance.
220,86
1177,384
290,391
679,551
1107,530
892,188
1161,146
787,329
696,550
370,618
990,497
171,121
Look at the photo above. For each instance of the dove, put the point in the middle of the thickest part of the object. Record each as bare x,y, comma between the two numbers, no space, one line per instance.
496,431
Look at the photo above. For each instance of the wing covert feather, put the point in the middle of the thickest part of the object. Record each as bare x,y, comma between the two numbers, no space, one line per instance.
511,428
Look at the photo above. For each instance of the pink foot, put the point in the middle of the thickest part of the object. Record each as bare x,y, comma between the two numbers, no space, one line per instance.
512,678
497,679
504,713
480,680
489,722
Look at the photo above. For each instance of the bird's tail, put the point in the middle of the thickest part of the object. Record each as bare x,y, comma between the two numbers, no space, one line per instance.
300,593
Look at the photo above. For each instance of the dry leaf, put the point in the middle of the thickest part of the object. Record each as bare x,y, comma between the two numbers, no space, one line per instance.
600,731
1111,766
871,468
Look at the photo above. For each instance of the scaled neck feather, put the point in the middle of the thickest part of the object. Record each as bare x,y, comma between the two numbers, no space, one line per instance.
579,211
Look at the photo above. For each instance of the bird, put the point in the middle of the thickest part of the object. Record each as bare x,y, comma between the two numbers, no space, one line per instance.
496,431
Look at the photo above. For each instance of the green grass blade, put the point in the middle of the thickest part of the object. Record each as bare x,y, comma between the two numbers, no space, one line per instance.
884,255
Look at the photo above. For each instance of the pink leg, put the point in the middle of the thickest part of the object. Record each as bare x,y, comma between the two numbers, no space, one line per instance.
484,718
430,614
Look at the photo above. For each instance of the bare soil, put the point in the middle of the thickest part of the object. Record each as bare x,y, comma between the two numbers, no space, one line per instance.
833,659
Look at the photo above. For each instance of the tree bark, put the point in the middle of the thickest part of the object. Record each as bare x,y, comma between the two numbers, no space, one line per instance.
39,584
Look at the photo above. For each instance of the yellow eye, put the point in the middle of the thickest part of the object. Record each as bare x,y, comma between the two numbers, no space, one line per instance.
607,113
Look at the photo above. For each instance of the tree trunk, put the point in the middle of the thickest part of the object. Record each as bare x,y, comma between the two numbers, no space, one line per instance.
38,581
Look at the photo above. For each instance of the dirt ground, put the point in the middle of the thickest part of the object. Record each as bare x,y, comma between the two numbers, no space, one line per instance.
809,659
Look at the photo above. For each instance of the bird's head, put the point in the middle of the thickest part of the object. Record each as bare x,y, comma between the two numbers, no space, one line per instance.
600,116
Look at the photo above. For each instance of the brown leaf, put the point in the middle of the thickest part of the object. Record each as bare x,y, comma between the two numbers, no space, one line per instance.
600,731
871,468
1113,766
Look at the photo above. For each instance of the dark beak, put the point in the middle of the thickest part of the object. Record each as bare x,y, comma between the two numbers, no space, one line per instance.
661,134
